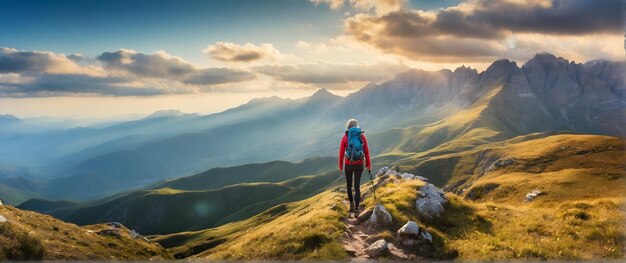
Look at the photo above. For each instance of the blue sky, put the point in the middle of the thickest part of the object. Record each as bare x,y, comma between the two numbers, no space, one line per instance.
180,27
206,56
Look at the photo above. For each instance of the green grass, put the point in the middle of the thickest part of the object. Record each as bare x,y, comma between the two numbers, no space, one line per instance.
270,172
167,210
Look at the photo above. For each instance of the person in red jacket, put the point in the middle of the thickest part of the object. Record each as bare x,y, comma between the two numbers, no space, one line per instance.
353,168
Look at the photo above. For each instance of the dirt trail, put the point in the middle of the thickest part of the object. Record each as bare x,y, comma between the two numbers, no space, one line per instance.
355,238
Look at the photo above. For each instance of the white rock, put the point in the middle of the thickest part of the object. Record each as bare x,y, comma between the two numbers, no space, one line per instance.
382,171
421,178
3,219
380,217
1,202
377,248
409,230
530,196
407,176
430,201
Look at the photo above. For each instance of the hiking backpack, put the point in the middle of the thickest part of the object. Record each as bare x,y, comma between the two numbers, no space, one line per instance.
354,149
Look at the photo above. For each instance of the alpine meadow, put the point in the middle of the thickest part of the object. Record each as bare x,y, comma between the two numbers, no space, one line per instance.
335,130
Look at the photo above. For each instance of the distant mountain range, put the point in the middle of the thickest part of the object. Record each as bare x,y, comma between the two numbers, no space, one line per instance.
440,111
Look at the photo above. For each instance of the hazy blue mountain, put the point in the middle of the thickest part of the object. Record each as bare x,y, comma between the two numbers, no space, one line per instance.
11,126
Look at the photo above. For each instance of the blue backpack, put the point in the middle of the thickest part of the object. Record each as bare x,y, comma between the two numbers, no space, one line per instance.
354,149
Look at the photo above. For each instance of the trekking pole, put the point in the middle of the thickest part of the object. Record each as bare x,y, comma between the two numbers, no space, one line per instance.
373,186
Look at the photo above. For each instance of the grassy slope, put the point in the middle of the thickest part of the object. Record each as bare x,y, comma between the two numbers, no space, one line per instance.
580,217
461,131
272,172
308,229
30,235
588,166
166,210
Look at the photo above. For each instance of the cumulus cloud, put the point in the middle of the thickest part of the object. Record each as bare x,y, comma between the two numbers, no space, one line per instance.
157,65
330,73
231,52
379,6
120,73
20,61
333,4
482,29
45,85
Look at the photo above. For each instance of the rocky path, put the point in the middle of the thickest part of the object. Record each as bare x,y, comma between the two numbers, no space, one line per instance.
354,239
360,239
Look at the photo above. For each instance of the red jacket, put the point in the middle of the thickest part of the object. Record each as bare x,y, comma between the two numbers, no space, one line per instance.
342,152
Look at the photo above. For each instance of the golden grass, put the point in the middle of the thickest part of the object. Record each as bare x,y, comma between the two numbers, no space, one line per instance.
574,230
567,226
311,229
64,241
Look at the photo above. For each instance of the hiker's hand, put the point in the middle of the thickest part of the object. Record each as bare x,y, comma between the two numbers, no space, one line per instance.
341,173
369,170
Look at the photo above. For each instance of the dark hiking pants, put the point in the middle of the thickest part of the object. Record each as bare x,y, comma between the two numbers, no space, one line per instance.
356,170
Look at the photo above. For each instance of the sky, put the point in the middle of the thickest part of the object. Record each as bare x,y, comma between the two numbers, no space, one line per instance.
98,59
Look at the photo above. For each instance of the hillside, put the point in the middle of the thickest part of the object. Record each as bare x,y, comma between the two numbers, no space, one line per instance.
31,236
308,229
167,210
579,213
525,155
271,172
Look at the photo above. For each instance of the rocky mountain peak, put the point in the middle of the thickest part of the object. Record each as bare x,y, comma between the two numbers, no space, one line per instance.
322,93
322,96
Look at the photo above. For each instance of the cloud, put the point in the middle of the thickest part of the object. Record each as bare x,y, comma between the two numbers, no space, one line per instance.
120,73
314,48
330,73
561,17
19,61
231,52
157,65
483,30
333,4
379,6
46,85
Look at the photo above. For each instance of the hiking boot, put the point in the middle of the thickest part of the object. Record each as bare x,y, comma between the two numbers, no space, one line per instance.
356,208
351,208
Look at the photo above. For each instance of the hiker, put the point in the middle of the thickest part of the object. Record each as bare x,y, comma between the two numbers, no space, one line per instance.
352,150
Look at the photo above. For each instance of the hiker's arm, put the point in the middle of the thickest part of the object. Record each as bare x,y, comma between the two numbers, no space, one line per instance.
342,151
366,150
